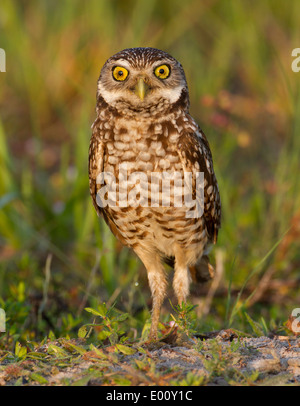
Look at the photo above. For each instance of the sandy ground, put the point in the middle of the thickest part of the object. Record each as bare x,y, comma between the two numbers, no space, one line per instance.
221,360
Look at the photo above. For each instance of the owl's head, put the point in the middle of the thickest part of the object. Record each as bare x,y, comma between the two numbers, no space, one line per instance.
143,80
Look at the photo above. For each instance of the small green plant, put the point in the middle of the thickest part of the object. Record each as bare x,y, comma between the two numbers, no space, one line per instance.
259,328
109,327
20,351
184,317
191,379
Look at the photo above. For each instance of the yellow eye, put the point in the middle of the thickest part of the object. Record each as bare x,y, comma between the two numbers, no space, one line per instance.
162,71
120,73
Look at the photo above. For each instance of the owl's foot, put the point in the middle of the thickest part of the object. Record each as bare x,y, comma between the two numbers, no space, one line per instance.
178,338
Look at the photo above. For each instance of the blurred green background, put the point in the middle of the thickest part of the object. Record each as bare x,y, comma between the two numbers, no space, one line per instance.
56,257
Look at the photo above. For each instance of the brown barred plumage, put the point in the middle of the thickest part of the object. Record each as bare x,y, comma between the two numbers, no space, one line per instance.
143,123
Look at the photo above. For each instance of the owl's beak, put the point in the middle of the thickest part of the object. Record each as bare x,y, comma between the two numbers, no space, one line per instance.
141,88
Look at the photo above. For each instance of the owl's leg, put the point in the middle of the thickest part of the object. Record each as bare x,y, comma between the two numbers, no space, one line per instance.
158,286
182,277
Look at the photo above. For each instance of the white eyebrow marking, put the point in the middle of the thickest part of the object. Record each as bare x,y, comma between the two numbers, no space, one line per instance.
122,62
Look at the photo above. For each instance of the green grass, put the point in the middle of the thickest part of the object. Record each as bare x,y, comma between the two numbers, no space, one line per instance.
56,257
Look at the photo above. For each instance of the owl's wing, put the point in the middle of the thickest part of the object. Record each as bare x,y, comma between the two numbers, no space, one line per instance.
96,166
196,156
96,169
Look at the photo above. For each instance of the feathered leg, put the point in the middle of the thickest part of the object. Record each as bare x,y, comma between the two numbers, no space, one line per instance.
158,286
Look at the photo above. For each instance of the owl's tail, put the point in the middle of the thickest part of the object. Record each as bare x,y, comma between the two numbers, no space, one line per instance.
203,271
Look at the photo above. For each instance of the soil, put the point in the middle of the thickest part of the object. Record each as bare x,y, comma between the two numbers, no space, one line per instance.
219,359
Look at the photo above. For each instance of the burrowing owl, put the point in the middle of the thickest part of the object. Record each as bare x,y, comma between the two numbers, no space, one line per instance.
146,158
